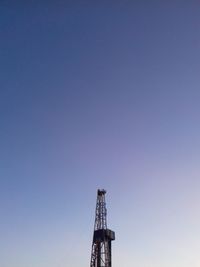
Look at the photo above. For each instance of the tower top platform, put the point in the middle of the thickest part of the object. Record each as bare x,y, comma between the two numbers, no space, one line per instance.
101,192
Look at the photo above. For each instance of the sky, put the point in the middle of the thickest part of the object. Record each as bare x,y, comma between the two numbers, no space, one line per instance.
99,95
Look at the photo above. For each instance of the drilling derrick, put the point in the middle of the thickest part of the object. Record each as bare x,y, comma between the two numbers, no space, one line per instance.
102,237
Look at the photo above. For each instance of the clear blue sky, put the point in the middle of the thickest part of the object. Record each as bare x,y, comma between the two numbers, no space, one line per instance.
105,96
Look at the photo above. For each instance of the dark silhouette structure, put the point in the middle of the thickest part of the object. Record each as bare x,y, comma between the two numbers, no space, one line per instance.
101,245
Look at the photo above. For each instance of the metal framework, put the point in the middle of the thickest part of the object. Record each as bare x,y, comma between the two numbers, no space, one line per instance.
102,237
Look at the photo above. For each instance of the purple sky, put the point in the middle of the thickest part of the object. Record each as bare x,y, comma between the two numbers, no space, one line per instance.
100,96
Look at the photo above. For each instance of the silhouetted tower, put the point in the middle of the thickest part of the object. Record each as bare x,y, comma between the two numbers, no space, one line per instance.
101,246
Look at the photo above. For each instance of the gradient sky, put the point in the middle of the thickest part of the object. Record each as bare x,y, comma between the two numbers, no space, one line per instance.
100,96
